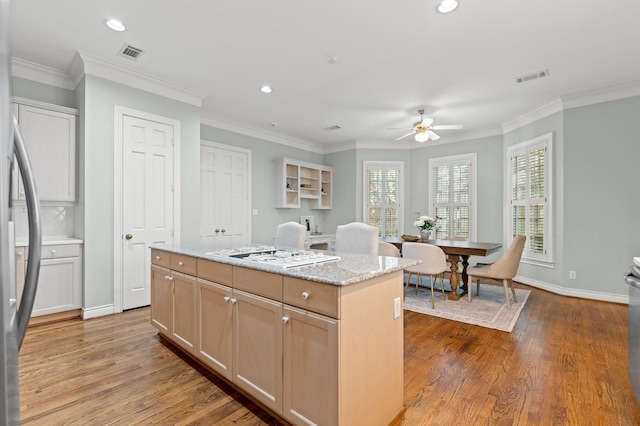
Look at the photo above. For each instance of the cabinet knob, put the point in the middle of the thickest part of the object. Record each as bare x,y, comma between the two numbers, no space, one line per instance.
226,298
285,320
233,301
181,263
128,236
53,251
223,230
158,257
168,277
217,230
305,295
19,254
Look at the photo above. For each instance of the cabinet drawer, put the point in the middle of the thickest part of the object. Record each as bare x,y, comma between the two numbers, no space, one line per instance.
184,264
161,258
257,282
312,296
62,250
215,272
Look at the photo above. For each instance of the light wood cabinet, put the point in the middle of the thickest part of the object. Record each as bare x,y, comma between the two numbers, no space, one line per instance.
49,133
310,348
310,352
173,302
297,180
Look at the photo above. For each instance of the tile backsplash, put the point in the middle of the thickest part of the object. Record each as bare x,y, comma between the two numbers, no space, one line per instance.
57,222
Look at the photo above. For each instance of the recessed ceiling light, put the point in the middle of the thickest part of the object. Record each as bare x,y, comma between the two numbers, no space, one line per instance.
266,89
115,25
447,6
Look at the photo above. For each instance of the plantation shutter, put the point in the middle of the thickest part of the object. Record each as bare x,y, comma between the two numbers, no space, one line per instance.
383,197
452,189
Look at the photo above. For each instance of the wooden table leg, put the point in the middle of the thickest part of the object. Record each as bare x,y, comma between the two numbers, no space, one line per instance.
453,259
465,276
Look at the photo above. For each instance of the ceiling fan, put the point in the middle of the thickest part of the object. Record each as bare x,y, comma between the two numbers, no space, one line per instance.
424,130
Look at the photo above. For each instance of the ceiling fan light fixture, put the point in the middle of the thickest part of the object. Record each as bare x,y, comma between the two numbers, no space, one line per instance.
447,6
422,137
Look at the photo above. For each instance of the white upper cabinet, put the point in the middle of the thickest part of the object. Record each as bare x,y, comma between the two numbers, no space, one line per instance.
297,180
49,133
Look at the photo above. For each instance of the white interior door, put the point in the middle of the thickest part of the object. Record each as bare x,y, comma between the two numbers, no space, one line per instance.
224,185
147,201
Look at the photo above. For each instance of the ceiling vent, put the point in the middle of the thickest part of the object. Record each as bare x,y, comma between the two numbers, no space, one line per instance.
332,128
529,77
130,52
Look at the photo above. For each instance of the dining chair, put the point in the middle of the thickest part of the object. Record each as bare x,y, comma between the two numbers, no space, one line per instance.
501,271
357,237
387,249
434,264
290,236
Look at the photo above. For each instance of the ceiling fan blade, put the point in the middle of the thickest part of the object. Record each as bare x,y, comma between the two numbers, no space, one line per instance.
447,126
432,135
427,122
404,136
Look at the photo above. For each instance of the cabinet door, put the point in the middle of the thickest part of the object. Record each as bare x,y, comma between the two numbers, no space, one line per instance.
161,299
183,311
215,327
310,368
50,137
59,286
257,352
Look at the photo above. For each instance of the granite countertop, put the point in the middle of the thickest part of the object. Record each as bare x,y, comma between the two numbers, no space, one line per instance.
350,269
50,241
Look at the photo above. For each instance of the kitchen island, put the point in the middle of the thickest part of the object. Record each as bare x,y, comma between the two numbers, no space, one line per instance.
318,344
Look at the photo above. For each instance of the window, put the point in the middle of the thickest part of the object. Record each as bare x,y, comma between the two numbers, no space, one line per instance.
452,195
530,196
383,196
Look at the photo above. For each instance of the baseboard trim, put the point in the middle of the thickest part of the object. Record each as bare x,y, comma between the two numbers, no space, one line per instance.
572,292
98,311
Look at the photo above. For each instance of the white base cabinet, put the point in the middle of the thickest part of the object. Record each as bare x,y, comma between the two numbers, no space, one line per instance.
60,279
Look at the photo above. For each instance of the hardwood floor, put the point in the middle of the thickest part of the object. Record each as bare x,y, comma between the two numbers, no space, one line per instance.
565,363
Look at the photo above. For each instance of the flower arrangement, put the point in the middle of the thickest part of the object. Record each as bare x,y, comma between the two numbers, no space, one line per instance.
425,223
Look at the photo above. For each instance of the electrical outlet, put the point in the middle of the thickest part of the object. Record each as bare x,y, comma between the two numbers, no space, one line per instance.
396,308
255,212
572,275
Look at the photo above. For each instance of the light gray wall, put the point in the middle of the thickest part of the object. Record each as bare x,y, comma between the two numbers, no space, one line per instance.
345,189
601,167
263,154
96,199
44,93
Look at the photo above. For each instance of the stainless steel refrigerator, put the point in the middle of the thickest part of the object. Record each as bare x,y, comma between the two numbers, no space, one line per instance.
14,318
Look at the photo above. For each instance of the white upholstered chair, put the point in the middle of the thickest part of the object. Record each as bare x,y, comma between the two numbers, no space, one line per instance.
388,249
434,264
357,237
290,236
501,271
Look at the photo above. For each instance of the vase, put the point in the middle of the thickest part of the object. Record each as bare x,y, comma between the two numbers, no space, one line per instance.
424,234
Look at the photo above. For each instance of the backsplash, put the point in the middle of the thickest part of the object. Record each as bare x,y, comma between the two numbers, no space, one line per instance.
57,222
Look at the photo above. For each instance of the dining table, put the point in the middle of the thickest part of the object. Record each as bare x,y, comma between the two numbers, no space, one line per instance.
456,251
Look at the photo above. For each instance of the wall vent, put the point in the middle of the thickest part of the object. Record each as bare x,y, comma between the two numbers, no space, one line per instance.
332,128
130,52
533,76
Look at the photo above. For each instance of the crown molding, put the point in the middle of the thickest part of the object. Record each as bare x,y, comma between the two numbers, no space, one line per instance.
224,123
533,116
41,74
605,94
83,64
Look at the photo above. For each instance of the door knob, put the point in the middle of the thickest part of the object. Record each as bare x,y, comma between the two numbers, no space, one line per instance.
128,236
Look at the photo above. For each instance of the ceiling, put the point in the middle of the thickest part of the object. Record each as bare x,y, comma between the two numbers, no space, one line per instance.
363,65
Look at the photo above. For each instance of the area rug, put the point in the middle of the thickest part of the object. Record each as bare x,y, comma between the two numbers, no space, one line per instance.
487,310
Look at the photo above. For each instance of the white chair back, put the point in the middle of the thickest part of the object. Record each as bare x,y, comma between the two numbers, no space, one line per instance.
290,236
357,237
388,249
